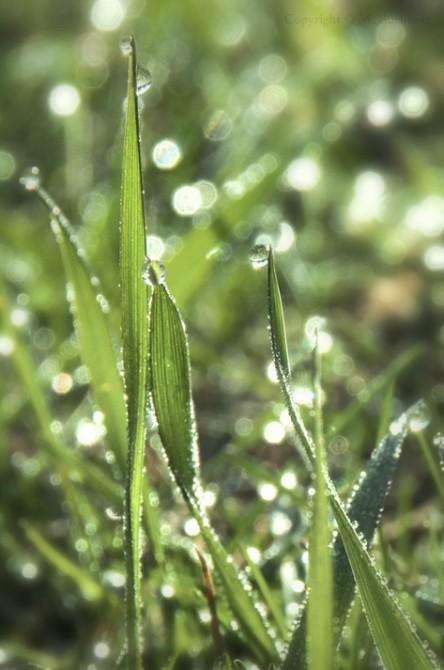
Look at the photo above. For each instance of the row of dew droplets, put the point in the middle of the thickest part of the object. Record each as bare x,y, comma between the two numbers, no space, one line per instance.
143,75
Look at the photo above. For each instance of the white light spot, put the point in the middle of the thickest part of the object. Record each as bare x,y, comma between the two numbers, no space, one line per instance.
289,480
427,217
101,650
272,68
380,113
209,498
19,317
107,15
413,102
434,258
115,579
187,200
280,524
7,345
267,491
88,433
208,193
303,174
64,100
167,591
271,373
274,432
286,237
29,571
191,528
166,154
254,554
62,383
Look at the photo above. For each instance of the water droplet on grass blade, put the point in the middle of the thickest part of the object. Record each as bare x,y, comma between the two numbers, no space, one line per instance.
419,417
143,79
125,46
31,179
153,272
258,255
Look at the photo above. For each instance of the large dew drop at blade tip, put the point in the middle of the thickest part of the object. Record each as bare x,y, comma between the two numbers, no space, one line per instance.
153,272
126,46
258,255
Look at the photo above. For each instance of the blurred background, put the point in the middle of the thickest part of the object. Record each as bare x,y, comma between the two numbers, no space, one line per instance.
313,126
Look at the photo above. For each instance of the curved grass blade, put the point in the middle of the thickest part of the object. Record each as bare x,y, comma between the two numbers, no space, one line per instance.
364,509
170,388
367,503
320,582
134,352
92,329
397,641
279,352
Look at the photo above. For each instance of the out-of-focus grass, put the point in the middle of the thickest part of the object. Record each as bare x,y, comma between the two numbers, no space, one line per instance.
357,229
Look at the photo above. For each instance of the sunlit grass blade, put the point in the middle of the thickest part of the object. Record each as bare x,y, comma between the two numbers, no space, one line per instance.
134,350
366,505
320,582
89,309
65,461
432,464
279,352
91,589
397,642
170,386
364,509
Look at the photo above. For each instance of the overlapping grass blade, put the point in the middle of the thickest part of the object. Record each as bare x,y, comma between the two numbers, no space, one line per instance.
89,309
367,503
397,642
170,388
320,583
134,352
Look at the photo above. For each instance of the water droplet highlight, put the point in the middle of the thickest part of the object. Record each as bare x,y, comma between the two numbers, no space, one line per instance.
419,417
153,272
143,80
31,179
259,255
125,46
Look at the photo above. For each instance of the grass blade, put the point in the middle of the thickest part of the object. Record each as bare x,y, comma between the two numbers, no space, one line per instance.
65,461
134,351
170,388
397,642
279,352
89,309
320,582
367,503
91,589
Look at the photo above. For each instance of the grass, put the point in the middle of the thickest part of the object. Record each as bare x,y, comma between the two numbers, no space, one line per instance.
209,559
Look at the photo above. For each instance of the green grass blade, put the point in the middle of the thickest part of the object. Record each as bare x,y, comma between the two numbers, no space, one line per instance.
170,386
397,642
320,581
134,351
432,464
96,347
367,503
279,352
364,508
91,589
65,461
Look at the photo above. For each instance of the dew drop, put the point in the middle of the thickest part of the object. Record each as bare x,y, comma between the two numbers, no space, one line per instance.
258,255
31,179
143,80
153,272
125,46
418,417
